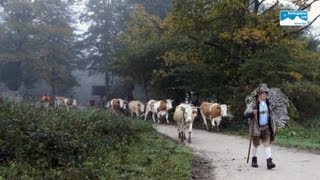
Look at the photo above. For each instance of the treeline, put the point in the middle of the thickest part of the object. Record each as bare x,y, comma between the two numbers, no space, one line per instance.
217,49
220,50
37,42
39,39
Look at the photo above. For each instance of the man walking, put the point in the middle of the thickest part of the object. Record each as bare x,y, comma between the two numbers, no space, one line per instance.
262,126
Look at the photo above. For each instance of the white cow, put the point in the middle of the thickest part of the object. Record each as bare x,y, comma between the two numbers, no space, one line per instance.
184,116
108,105
65,102
159,108
136,107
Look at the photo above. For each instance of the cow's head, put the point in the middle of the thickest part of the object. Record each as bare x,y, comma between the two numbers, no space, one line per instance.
108,105
169,104
74,103
189,113
194,112
224,110
142,107
123,104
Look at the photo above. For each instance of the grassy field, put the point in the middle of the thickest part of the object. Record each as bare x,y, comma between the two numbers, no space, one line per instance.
304,136
95,144
300,135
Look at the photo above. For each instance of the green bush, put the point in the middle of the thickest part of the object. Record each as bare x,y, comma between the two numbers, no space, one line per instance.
84,145
305,97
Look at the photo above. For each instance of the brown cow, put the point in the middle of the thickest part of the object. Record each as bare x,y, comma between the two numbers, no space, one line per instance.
213,112
159,108
45,100
118,105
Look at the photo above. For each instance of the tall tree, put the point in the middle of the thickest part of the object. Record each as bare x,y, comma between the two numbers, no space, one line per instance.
159,8
107,21
16,41
136,60
105,18
225,34
55,44
216,48
37,40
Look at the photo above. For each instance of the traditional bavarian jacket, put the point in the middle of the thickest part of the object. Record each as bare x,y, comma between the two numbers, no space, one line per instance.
248,113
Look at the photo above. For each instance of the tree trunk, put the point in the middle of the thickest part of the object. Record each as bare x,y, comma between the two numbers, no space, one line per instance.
53,90
145,87
256,6
146,92
129,94
107,84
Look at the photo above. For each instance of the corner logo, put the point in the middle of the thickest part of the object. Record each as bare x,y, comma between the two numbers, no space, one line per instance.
293,18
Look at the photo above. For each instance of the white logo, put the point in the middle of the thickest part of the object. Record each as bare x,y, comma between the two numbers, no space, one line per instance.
293,18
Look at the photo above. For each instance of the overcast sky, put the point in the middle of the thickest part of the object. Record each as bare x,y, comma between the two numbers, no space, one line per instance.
315,11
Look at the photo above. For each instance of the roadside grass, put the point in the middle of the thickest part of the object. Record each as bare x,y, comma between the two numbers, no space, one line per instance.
160,157
94,144
304,136
301,135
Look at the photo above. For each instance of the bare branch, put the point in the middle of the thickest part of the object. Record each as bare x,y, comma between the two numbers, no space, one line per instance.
303,7
5,58
303,28
210,44
155,23
250,3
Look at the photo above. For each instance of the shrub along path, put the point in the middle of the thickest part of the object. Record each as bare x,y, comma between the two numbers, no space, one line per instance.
95,144
228,154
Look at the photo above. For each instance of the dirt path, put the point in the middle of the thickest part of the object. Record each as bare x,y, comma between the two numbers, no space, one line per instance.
228,154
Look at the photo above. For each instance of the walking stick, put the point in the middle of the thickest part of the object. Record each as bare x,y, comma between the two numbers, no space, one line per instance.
249,150
251,137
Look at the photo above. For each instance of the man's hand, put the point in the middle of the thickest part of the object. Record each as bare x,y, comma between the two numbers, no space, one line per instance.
255,112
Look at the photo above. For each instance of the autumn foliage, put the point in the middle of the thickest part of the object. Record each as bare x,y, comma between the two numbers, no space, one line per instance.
218,49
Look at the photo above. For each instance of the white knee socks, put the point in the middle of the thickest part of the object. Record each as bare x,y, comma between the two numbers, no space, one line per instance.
254,151
268,152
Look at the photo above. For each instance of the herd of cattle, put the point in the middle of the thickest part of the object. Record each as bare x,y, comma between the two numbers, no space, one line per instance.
42,102
184,114
58,102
